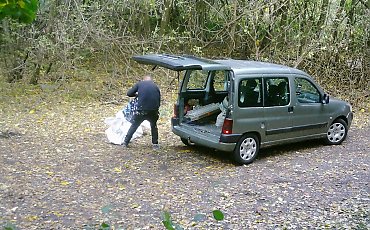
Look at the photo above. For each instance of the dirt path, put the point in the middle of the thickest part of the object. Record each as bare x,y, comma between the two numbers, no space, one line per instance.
58,172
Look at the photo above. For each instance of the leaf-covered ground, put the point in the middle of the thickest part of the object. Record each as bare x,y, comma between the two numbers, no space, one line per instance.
58,171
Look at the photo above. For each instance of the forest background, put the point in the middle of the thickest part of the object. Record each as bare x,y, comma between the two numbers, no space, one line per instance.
65,66
81,49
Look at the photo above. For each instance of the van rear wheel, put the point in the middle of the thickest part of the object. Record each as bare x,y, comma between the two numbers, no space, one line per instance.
187,142
247,149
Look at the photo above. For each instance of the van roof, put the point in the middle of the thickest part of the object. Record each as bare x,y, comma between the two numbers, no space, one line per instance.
256,67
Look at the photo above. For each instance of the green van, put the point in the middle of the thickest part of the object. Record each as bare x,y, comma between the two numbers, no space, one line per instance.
241,106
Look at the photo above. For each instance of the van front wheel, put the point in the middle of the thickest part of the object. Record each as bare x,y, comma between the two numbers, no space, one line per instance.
337,132
247,149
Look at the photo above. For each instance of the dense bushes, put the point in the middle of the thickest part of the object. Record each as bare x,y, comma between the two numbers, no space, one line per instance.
328,39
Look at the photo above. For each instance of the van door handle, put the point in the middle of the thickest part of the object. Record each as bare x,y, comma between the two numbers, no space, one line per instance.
290,109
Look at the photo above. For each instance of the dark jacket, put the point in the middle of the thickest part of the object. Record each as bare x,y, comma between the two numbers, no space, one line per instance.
149,96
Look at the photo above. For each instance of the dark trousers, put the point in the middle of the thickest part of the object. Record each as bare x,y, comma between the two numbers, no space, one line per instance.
151,116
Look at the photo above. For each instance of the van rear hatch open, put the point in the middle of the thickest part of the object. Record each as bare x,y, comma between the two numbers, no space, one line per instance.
179,63
192,121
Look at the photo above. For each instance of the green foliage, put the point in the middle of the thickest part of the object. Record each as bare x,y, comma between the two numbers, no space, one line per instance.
22,10
106,209
104,226
167,222
218,215
199,217
328,39
170,225
9,226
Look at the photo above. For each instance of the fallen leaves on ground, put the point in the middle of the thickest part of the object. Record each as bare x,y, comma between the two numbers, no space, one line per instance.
59,172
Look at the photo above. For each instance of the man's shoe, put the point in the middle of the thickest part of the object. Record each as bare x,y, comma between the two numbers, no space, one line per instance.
156,147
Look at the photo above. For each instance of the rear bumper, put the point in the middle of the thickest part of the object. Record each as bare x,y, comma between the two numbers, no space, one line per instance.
230,138
203,139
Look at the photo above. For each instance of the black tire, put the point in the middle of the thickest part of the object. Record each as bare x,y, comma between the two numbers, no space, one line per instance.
336,133
247,149
186,142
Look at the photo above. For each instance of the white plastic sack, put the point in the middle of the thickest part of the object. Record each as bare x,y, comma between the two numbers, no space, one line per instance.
119,126
220,119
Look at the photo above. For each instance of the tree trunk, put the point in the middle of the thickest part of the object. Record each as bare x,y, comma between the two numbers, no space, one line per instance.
166,16
200,19
232,36
323,14
36,75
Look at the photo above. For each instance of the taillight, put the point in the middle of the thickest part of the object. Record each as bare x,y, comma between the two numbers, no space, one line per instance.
175,110
227,127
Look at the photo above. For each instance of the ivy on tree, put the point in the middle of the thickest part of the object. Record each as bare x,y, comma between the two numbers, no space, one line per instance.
22,10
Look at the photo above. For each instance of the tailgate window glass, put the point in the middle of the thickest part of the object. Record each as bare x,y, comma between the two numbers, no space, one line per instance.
197,79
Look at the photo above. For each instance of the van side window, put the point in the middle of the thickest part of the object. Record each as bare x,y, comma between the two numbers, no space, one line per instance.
277,91
197,79
306,92
250,94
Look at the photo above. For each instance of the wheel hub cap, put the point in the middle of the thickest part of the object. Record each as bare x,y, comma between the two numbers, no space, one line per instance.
336,132
248,148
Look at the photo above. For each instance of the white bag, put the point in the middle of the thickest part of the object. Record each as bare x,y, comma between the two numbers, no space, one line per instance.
220,119
119,126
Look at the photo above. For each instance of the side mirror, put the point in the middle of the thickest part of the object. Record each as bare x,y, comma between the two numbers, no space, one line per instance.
325,99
